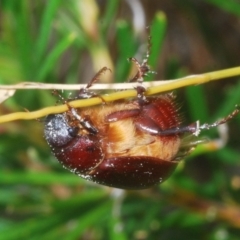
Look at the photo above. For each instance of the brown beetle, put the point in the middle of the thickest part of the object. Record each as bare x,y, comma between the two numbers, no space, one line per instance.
129,144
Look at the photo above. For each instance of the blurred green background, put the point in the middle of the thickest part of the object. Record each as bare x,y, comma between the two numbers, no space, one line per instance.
55,41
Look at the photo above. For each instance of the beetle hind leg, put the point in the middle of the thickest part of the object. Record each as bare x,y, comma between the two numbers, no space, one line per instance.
224,120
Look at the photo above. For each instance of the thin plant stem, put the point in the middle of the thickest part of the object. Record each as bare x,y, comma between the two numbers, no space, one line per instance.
154,87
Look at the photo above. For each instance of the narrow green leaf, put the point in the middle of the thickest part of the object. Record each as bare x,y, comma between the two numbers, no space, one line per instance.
197,103
38,178
232,98
89,220
52,58
65,211
23,36
158,31
228,155
116,229
230,6
127,47
110,12
45,29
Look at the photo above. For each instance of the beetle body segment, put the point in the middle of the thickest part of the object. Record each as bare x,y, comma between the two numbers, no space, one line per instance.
131,149
132,172
80,153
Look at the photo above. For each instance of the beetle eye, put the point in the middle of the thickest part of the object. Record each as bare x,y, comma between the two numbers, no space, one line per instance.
73,131
57,130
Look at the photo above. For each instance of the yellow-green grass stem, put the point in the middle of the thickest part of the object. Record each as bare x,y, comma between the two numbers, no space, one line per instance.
154,87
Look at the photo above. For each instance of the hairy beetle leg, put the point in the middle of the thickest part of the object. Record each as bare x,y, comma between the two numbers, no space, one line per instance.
146,124
86,123
84,93
122,114
207,126
143,68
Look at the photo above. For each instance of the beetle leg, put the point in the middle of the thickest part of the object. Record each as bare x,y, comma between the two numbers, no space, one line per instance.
207,126
86,123
146,124
57,93
143,68
84,92
142,99
122,114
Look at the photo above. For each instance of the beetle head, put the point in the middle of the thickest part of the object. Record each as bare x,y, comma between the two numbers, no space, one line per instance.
57,130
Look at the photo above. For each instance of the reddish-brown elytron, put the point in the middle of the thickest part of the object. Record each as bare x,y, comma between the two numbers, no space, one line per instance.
129,144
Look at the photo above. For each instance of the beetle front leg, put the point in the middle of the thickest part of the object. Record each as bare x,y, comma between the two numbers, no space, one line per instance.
86,123
84,92
143,68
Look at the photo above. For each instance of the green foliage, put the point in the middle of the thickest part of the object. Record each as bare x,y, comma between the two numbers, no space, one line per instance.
61,42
